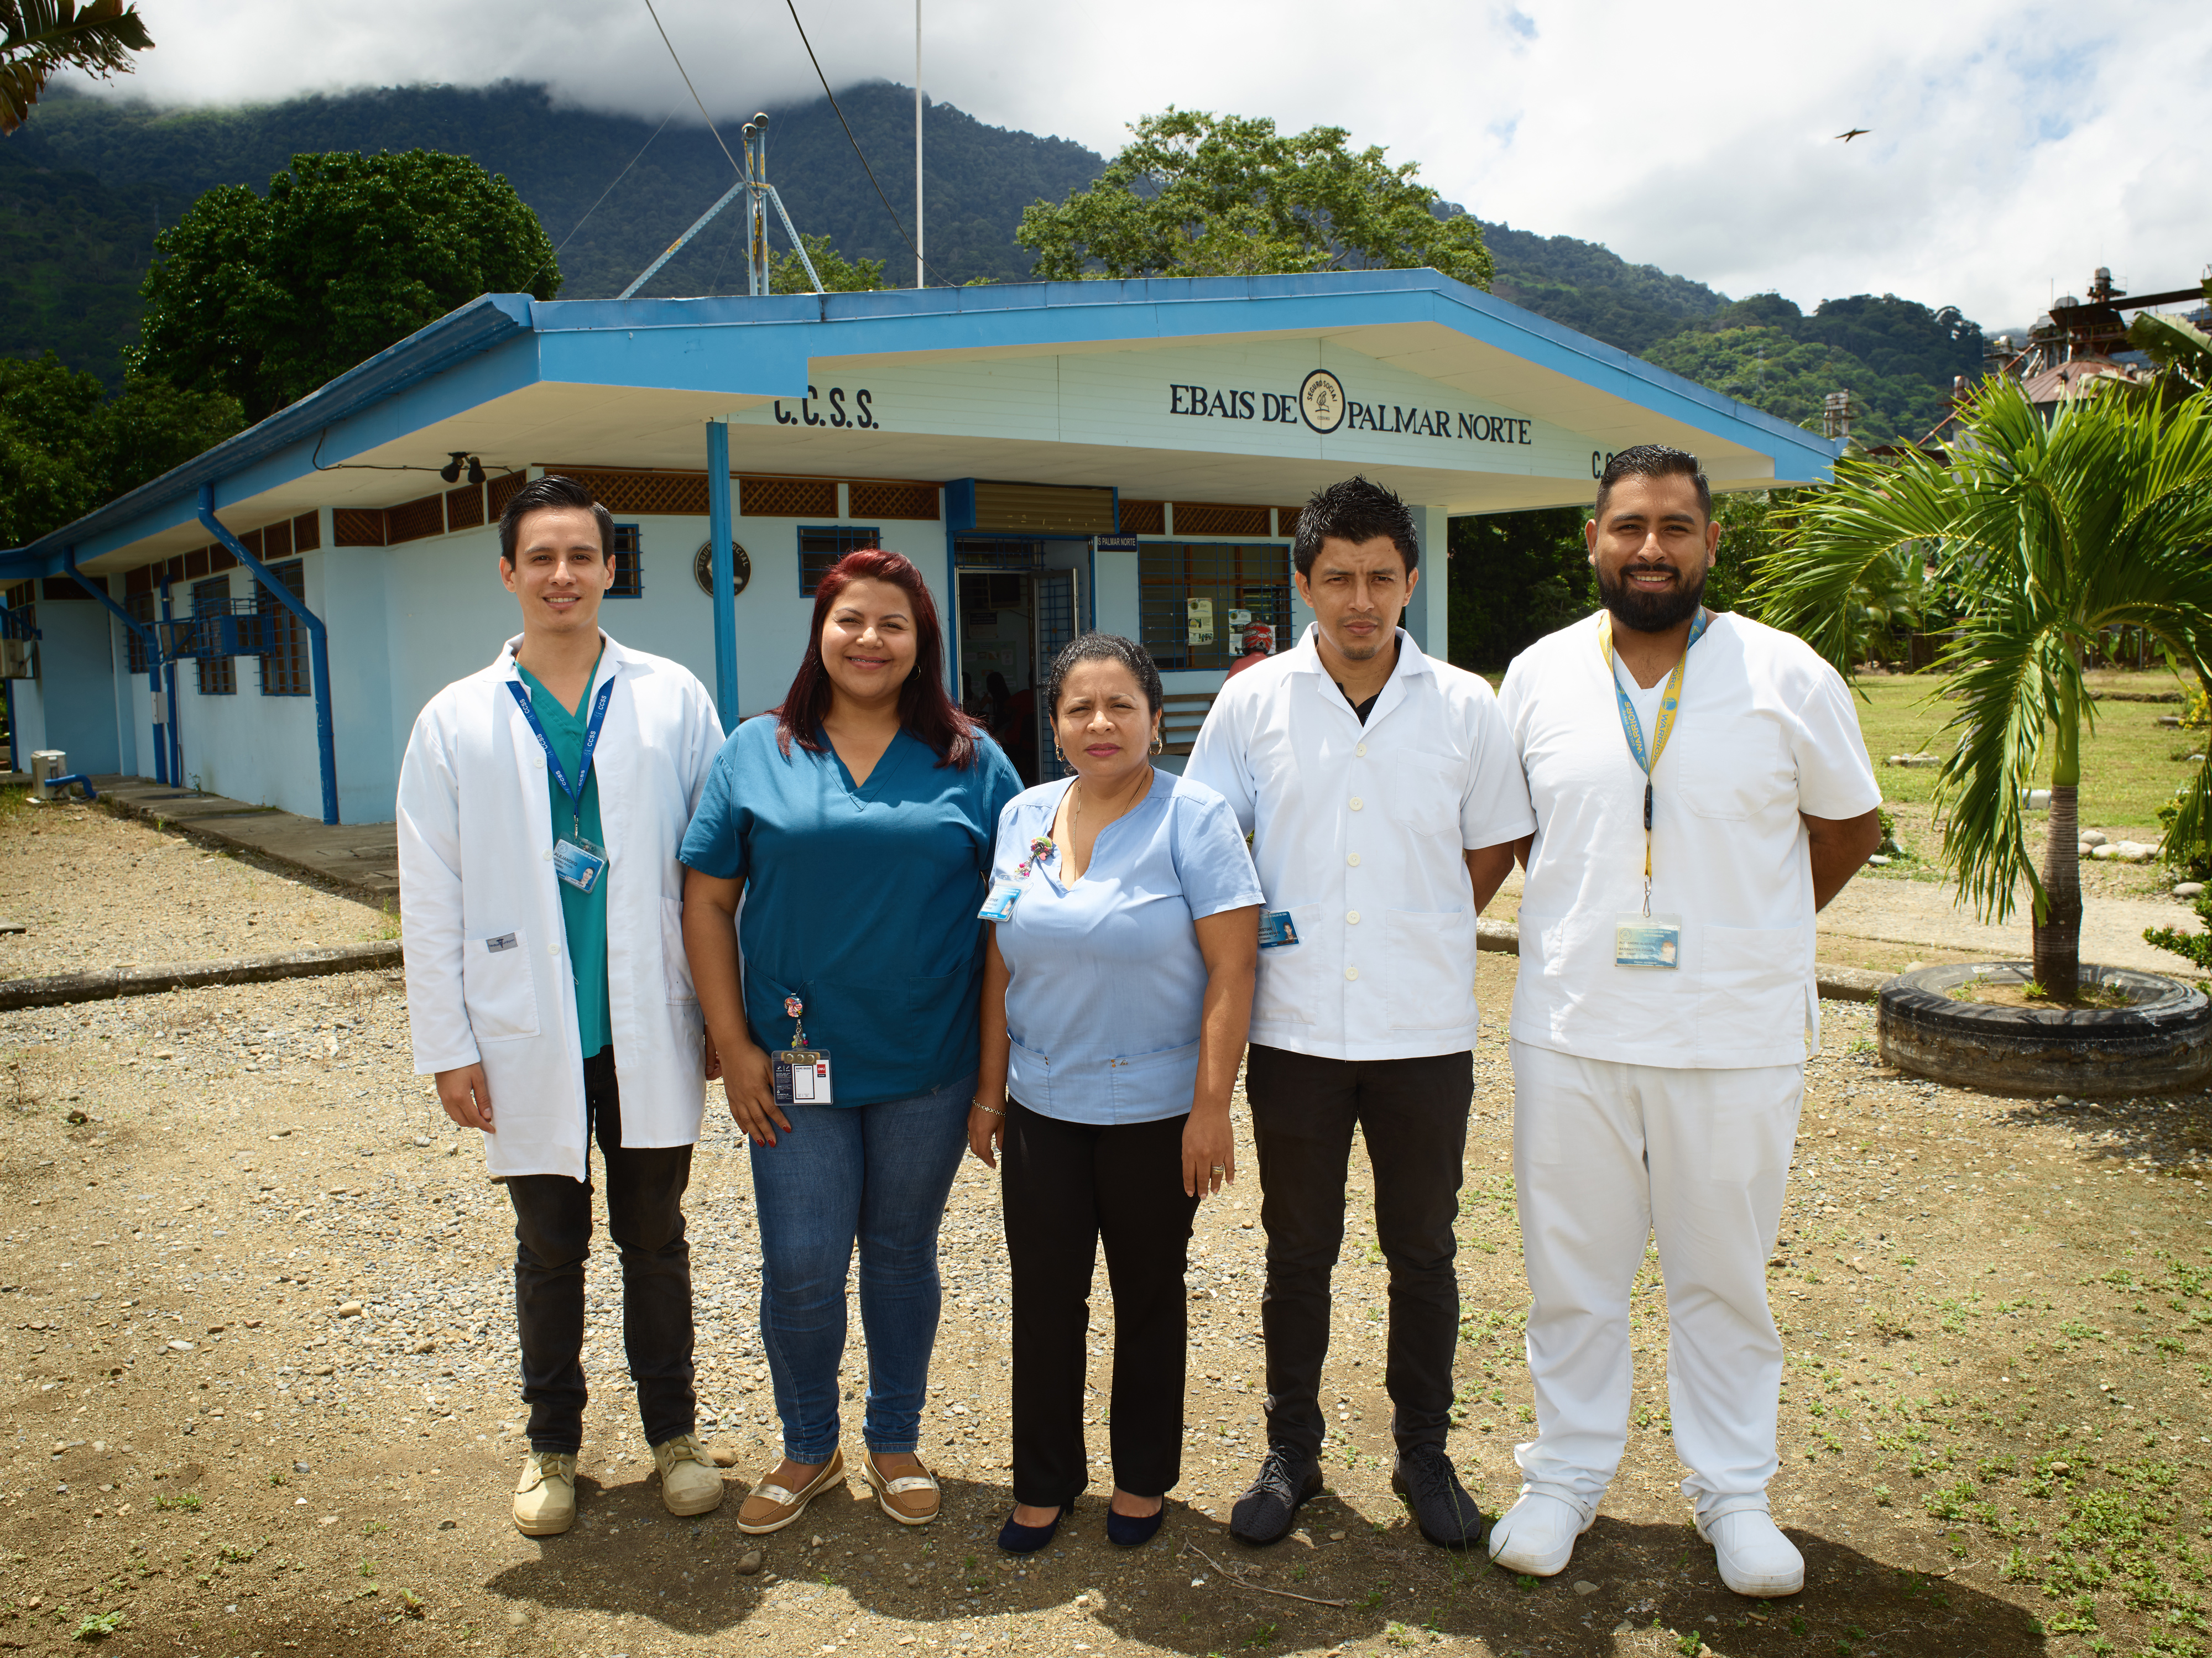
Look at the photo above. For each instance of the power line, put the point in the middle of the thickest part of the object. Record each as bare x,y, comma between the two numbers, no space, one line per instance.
694,91
619,177
855,143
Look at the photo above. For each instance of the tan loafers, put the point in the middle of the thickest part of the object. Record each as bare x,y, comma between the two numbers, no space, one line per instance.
771,1508
911,1499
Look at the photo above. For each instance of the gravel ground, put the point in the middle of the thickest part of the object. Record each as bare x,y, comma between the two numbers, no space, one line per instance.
94,890
255,1337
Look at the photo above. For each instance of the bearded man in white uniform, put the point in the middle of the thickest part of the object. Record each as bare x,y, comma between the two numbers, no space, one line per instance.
1700,789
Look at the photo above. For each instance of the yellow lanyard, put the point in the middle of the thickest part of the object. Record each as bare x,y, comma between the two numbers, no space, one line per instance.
1662,728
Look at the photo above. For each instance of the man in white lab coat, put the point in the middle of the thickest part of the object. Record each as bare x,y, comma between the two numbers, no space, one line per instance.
541,804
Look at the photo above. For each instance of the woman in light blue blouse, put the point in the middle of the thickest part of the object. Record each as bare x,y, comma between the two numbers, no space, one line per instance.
1117,989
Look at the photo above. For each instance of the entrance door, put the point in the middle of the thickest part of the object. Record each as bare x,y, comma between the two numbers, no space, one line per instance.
1056,607
1013,624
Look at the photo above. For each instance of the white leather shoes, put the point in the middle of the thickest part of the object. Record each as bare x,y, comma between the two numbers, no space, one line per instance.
1536,1536
1755,1558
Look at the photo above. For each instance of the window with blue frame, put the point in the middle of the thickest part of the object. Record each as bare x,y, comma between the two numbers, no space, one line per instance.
629,555
284,669
218,675
140,606
820,547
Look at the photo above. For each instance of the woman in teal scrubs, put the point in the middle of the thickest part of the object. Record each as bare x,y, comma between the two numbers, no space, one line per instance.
856,824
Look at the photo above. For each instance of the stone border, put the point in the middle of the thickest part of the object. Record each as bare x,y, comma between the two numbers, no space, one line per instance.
57,990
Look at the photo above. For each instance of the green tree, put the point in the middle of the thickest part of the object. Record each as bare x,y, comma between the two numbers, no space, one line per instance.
37,37
1200,195
2045,532
267,298
788,275
2182,350
65,450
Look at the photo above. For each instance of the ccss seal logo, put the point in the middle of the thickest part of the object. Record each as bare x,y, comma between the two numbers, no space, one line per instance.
1321,400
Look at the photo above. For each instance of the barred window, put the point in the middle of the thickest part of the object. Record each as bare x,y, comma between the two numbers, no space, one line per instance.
140,607
1198,598
820,548
284,669
218,676
628,556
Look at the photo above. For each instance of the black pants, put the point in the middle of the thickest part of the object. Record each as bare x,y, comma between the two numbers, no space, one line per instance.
552,1237
1065,1186
1414,1115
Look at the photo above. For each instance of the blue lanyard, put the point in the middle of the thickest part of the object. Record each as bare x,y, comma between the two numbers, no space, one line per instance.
552,760
1663,726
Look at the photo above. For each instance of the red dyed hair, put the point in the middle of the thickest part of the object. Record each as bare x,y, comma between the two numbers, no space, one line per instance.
925,708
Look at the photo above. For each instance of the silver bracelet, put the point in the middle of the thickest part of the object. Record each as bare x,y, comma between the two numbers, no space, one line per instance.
993,1109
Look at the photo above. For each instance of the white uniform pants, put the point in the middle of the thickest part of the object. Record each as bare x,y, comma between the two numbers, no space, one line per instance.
1603,1155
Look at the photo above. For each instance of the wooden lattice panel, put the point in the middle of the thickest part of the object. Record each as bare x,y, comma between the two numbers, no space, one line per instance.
1286,521
500,490
790,498
875,498
307,533
677,494
357,526
411,520
1199,518
1144,518
464,506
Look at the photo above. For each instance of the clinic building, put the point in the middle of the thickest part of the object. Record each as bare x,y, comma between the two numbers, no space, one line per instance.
265,621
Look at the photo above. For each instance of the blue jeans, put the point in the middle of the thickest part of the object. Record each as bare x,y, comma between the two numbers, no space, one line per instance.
877,1175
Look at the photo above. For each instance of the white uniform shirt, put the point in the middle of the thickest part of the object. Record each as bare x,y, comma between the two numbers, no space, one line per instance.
1359,833
1766,731
489,978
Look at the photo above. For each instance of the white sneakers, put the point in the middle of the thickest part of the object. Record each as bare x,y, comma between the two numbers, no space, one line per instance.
1536,1536
1755,1558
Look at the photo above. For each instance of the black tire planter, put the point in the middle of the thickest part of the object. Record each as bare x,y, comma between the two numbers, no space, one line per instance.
2161,1044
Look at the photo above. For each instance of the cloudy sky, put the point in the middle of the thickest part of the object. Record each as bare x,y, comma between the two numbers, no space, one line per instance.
2011,145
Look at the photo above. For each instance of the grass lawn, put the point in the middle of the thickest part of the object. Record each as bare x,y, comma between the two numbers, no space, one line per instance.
2130,764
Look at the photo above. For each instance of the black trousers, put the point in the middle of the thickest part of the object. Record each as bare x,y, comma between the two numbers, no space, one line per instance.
1414,1115
1064,1186
553,1237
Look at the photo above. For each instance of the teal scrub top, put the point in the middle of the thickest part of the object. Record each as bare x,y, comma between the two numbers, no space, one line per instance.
860,901
583,914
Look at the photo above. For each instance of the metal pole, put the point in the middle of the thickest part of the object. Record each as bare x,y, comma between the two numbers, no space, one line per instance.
676,246
721,571
920,275
797,247
318,640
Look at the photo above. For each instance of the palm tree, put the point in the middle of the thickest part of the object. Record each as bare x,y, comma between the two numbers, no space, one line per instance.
37,37
2044,530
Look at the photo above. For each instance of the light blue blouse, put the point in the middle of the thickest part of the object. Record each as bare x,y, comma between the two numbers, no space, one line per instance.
1107,984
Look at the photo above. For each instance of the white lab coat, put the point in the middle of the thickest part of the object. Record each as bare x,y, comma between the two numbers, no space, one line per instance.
476,867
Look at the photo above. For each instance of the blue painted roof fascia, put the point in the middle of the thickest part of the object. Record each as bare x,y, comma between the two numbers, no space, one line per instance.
475,327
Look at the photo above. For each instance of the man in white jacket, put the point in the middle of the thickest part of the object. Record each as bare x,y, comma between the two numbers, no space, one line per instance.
541,805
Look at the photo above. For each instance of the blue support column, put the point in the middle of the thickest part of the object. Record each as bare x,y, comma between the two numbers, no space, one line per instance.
97,587
722,572
318,640
172,745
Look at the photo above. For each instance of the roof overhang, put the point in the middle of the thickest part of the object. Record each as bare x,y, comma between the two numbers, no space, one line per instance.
1456,399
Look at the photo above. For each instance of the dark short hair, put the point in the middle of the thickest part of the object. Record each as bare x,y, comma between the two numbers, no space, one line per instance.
1654,460
1104,648
539,494
1353,510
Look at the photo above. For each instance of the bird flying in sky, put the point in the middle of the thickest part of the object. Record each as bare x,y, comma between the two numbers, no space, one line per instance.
1854,133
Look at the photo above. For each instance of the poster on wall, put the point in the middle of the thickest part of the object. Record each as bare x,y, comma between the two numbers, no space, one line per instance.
1200,613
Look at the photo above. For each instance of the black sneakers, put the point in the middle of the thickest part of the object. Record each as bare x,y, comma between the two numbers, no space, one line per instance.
1286,1479
1447,1516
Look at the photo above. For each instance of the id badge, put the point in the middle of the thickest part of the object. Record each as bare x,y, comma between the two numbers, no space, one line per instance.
1276,931
578,862
1000,906
1640,940
802,1076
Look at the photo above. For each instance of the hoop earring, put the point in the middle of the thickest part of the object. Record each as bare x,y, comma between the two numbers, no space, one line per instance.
1159,742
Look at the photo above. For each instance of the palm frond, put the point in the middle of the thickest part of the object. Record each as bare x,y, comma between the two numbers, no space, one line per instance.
37,37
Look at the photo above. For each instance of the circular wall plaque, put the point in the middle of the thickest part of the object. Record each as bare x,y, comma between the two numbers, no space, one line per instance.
702,567
1321,400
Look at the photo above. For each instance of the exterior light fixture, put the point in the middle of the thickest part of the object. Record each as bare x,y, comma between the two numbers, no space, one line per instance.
451,471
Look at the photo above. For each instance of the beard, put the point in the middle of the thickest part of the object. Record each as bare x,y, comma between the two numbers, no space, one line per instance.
1646,612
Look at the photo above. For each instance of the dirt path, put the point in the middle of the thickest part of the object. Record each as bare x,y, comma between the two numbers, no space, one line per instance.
1995,1312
